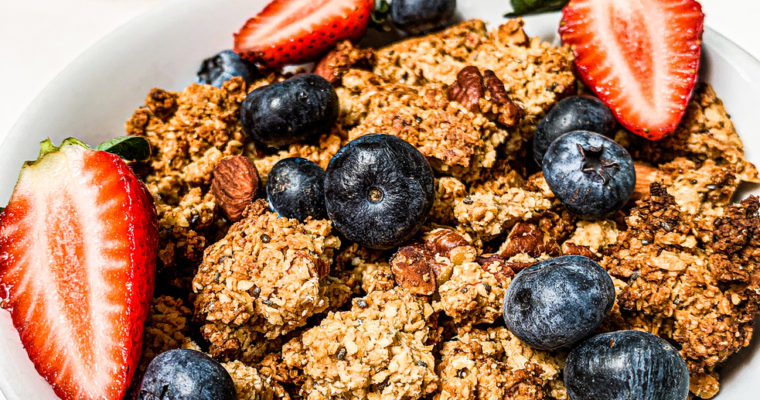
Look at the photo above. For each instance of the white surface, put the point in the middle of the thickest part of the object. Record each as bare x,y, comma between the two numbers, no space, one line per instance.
95,95
40,37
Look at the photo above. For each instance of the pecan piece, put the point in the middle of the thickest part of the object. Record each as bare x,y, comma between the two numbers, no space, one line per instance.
442,241
572,249
503,110
525,238
485,94
450,244
497,266
413,270
345,56
468,88
234,183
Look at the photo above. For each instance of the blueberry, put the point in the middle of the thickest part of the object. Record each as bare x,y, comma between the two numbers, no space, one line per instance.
591,174
295,189
222,67
420,16
626,365
378,191
558,302
289,111
576,113
185,375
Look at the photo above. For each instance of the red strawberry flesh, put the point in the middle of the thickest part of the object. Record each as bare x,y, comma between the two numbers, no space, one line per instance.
77,263
295,31
640,57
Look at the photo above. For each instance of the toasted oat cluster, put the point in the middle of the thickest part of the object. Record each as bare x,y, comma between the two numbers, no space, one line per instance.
494,364
293,312
264,279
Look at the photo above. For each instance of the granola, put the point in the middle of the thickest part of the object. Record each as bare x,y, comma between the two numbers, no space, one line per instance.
166,328
494,364
379,349
699,289
295,313
189,133
251,385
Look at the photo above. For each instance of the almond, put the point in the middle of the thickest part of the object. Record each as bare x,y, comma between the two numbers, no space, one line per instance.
235,183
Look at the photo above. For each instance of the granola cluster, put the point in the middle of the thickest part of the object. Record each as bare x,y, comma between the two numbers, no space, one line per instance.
264,279
293,312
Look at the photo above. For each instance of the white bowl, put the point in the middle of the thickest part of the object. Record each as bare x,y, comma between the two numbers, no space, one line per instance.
93,97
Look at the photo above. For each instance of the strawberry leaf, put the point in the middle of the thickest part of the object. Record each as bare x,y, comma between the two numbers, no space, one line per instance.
130,148
525,7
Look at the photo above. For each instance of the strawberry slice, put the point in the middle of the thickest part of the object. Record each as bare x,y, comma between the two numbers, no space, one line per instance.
78,244
297,31
640,57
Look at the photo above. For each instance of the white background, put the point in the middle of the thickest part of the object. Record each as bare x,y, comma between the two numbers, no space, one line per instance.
40,37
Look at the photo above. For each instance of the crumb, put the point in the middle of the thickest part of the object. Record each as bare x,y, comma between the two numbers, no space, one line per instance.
594,235
370,268
448,191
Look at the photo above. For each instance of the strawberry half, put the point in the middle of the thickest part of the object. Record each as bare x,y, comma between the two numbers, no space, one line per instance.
297,31
640,57
78,244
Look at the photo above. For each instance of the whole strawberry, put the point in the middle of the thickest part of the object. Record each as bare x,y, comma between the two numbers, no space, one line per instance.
78,244
298,31
639,57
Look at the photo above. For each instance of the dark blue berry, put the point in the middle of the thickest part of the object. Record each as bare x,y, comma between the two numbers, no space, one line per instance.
222,67
576,113
558,302
591,174
289,111
295,189
420,16
626,365
378,191
185,375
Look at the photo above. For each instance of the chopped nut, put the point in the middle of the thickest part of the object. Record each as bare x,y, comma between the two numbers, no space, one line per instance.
486,94
503,270
505,111
570,248
528,239
468,88
413,270
234,185
442,241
